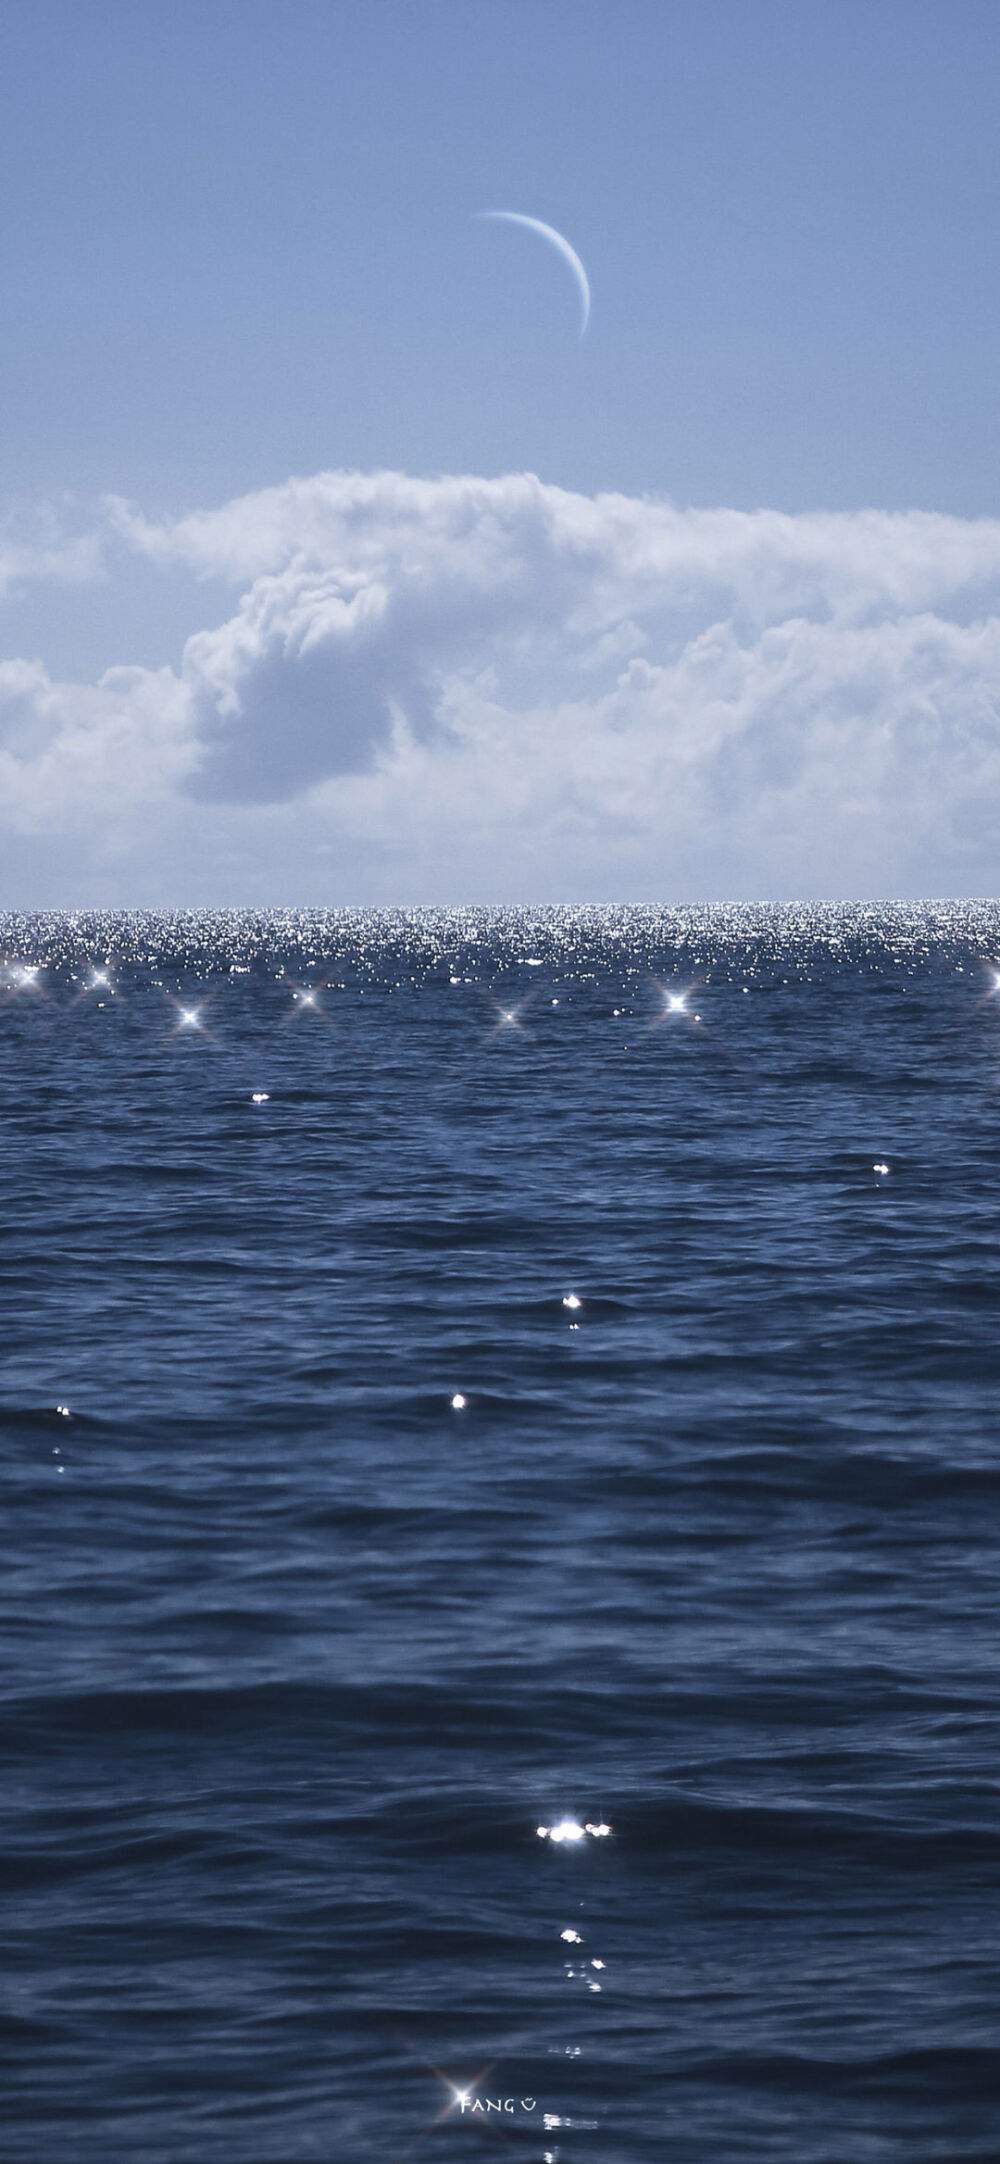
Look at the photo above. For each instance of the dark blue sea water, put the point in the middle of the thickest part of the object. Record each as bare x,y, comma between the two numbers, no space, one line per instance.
300,1653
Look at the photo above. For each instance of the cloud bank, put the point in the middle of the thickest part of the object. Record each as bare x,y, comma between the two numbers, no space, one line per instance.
461,688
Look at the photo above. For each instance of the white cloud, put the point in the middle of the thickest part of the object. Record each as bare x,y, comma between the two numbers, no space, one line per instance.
48,555
430,689
75,756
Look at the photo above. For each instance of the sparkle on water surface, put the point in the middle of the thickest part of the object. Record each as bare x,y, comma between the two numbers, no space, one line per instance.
570,1829
739,942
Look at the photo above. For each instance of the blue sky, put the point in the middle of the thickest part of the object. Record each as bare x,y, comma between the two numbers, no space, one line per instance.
239,244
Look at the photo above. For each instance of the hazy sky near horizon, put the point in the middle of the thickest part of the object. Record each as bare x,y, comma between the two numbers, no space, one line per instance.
336,566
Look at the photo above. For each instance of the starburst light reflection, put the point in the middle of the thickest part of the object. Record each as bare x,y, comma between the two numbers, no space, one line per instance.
675,1002
189,1019
457,2097
509,1018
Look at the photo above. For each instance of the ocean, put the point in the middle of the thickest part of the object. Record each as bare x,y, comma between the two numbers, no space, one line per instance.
501,1468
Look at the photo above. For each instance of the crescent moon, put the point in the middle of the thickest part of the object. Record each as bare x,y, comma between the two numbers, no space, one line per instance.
557,241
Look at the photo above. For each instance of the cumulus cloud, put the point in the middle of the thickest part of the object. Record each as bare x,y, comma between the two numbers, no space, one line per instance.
73,754
430,689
